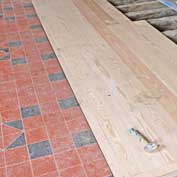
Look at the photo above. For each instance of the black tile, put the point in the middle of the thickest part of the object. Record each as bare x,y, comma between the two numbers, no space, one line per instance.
6,54
36,27
39,149
15,43
10,18
15,124
41,39
28,5
31,15
30,111
83,138
17,61
20,141
48,56
68,103
7,8
56,76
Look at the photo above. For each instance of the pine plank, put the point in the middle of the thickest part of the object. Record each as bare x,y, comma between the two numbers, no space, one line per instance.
112,91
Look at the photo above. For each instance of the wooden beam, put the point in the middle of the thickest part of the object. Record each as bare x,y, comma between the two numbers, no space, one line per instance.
135,7
152,13
165,23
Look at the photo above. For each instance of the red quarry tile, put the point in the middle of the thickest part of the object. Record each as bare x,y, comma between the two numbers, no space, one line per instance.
20,75
51,63
32,55
67,159
26,92
2,172
62,89
2,160
53,118
26,82
34,122
53,174
8,139
22,68
27,101
19,170
57,130
9,130
27,96
73,172
90,153
97,168
37,67
7,85
10,115
43,166
53,69
61,144
9,104
16,155
72,113
8,94
50,107
17,53
45,93
40,78
13,37
78,125
36,135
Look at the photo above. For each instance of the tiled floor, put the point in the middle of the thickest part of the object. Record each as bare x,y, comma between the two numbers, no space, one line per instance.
42,129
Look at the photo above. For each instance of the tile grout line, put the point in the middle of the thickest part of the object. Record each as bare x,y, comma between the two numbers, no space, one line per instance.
5,159
42,113
20,106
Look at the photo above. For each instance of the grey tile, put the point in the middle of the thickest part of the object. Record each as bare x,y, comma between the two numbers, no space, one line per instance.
83,138
31,15
36,26
8,8
48,56
17,61
4,50
15,124
15,43
6,55
30,111
39,149
41,39
28,5
20,141
68,103
10,18
56,76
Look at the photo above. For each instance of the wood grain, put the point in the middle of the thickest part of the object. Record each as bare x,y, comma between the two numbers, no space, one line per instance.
115,84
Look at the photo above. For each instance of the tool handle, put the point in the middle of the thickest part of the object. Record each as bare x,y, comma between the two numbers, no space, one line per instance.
138,135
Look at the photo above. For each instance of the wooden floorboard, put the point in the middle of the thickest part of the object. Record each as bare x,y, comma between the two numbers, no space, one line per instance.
121,80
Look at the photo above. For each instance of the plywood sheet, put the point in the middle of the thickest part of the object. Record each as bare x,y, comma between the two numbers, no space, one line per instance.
116,86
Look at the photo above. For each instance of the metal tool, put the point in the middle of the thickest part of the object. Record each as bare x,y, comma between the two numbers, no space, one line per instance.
150,146
170,3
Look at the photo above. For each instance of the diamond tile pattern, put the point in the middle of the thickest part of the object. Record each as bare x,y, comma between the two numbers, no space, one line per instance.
43,131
